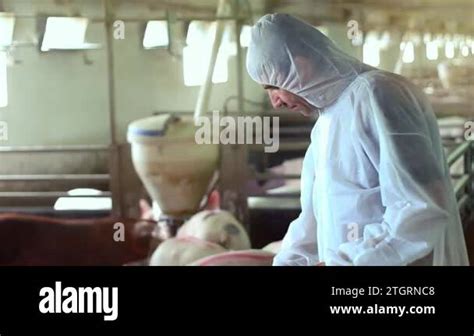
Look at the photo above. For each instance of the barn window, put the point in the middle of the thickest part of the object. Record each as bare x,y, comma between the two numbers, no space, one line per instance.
371,49
449,49
432,50
245,34
197,52
7,23
66,33
3,79
156,35
408,50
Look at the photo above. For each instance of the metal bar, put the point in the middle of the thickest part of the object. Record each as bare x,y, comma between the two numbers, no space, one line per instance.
50,149
114,160
463,202
47,194
240,79
281,114
242,149
468,170
295,130
110,63
290,203
56,177
458,152
459,185
202,104
185,18
295,195
270,176
289,146
50,210
397,5
234,161
145,18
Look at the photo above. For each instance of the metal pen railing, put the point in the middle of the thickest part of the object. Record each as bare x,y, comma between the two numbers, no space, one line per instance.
54,177
462,183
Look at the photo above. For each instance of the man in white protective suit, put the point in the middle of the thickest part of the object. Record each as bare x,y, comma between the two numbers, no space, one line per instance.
375,185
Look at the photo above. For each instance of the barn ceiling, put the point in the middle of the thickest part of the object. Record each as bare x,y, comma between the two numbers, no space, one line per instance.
444,15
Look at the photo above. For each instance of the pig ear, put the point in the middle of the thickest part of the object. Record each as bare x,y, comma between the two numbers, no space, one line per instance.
145,210
214,201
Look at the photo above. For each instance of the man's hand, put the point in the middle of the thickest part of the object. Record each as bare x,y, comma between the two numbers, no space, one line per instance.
322,263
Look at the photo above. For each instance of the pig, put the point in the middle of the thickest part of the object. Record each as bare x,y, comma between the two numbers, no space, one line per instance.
44,241
216,226
237,258
182,251
273,247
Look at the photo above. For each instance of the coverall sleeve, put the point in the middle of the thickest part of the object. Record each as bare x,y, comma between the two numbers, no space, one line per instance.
401,139
299,247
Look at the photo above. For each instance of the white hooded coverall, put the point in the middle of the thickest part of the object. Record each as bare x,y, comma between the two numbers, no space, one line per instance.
375,185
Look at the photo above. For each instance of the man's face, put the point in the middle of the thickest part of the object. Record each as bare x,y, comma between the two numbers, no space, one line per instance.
284,99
